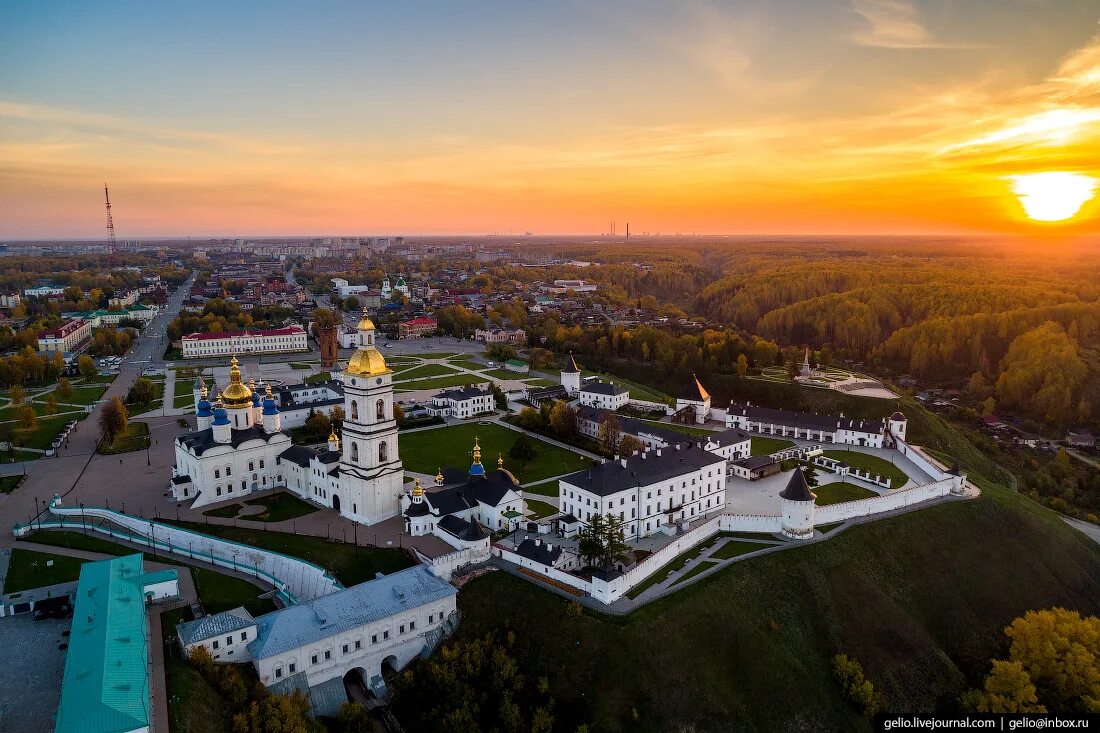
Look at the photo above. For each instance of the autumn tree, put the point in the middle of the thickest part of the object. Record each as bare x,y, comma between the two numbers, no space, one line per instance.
742,365
398,415
51,404
86,366
27,418
18,395
1041,373
629,445
563,420
113,418
857,688
610,433
64,388
142,392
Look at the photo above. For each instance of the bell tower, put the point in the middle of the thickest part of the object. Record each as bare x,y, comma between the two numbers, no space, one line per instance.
371,473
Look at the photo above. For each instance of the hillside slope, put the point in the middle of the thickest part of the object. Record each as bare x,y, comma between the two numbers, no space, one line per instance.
919,599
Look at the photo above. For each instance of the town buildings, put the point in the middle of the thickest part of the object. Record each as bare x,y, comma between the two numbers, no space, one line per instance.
818,428
516,336
417,328
270,341
70,336
604,395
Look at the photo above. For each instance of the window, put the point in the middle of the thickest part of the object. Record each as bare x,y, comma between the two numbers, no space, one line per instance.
292,666
345,649
244,635
354,410
251,466
313,659
374,638
228,471
278,672
386,634
261,463
228,640
358,643
383,452
217,473
401,629
328,654
355,451
412,626
215,643
380,409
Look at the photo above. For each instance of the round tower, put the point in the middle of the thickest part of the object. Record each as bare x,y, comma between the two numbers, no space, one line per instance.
204,411
896,424
221,425
272,421
797,505
571,376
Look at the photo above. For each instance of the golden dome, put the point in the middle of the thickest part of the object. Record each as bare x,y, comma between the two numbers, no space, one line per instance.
439,476
367,362
236,394
365,323
500,461
333,437
417,489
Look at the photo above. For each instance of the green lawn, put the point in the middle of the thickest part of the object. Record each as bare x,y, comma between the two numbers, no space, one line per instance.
80,395
300,365
424,371
675,564
44,434
735,548
540,509
840,491
28,569
184,387
194,705
540,382
280,507
186,400
827,528
765,446
457,380
436,355
426,450
546,488
220,592
319,377
503,374
224,512
8,483
680,428
144,408
871,463
135,438
467,364
77,540
349,565
699,567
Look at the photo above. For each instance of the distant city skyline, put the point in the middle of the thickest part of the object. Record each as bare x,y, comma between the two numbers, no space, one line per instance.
753,117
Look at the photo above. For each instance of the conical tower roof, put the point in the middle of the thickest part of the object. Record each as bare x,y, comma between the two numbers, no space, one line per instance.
571,365
797,488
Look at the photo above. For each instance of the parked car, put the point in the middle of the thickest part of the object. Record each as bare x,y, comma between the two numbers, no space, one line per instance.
50,453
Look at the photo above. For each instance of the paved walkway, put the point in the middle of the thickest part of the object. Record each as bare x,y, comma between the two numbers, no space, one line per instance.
1086,528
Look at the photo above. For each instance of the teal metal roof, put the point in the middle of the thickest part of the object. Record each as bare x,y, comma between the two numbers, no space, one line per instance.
106,684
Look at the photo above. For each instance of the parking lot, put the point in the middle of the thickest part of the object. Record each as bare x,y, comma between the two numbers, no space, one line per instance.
31,678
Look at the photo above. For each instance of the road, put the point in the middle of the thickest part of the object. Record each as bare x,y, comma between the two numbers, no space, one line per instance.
148,350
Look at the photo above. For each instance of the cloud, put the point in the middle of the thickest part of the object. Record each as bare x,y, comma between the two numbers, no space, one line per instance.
896,24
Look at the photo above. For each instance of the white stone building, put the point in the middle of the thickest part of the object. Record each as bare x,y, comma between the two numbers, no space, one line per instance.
818,428
270,341
69,336
604,395
694,402
314,646
463,402
650,491
571,376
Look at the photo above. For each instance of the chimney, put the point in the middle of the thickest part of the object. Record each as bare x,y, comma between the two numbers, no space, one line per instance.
549,547
658,451
622,461
538,542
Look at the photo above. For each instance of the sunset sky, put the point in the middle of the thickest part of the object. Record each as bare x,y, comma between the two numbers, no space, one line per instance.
818,116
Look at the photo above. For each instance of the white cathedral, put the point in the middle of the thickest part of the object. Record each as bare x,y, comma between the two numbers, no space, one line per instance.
239,446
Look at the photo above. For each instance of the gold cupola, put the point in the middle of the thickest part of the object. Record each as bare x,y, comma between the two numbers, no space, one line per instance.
236,394
365,323
367,360
417,488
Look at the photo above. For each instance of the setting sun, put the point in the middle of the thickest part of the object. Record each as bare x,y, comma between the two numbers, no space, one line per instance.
1053,196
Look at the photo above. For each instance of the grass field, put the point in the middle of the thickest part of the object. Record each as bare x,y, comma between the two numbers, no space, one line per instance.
503,374
44,434
924,617
679,428
764,446
279,507
540,509
220,592
540,382
224,512
840,491
700,567
135,438
736,548
874,464
194,705
186,400
349,565
319,377
546,488
29,569
456,380
467,364
8,483
426,450
184,387
424,371
80,395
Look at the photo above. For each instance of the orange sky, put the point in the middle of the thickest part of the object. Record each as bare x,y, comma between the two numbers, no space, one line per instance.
872,116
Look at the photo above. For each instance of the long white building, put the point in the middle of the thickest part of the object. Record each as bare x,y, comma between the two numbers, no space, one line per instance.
271,341
650,491
385,622
818,428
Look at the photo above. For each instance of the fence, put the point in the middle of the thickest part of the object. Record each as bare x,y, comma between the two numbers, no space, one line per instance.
445,566
294,580
878,504
917,456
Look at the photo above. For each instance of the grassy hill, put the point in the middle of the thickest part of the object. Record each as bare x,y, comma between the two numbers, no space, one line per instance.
919,599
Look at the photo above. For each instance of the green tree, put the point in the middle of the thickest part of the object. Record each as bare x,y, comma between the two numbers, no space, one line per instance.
499,398
522,450
142,392
318,426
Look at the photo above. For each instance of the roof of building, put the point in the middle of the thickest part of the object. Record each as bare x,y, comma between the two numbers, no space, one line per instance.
571,365
106,681
324,617
539,551
754,462
465,393
693,391
642,469
730,435
216,624
797,488
177,480
201,441
897,415
367,362
208,335
462,529
299,455
421,321
813,421
604,388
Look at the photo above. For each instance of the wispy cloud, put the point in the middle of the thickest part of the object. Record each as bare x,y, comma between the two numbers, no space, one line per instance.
896,24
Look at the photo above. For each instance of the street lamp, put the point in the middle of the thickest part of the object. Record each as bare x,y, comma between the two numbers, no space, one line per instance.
82,523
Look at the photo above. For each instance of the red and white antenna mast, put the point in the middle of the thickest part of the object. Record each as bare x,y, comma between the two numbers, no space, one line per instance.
110,222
